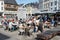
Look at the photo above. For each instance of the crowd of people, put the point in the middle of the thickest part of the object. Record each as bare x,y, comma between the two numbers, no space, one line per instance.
28,26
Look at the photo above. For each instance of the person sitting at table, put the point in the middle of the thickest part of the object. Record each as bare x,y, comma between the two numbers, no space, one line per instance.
17,23
31,29
21,29
10,26
47,23
28,29
14,26
5,24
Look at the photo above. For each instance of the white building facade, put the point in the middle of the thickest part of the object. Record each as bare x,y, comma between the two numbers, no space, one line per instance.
51,5
1,7
41,5
54,5
21,13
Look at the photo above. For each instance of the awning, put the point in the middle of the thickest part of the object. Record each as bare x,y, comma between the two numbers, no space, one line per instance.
33,12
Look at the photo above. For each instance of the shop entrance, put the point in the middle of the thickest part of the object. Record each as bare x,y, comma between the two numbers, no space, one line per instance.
1,15
58,17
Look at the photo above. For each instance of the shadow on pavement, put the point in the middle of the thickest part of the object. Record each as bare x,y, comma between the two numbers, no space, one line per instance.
3,37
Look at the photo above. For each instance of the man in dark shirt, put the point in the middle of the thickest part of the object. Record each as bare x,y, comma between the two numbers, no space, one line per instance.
55,19
40,27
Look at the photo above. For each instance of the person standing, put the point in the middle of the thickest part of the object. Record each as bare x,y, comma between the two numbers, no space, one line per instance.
5,24
40,27
55,19
16,17
10,25
52,22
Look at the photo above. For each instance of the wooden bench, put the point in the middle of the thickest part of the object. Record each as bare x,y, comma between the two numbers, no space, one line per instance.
47,35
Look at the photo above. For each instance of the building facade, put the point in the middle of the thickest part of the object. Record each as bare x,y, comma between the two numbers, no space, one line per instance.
22,13
1,7
10,8
50,5
41,5
46,5
54,5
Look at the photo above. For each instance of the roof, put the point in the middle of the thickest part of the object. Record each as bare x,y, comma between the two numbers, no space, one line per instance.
13,2
35,5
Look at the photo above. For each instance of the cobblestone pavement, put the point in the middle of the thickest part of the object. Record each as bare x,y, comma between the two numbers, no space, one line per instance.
6,35
14,35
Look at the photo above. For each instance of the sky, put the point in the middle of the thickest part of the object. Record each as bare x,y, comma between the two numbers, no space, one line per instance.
25,1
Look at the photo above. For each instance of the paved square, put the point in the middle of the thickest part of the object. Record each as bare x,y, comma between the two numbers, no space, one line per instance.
6,35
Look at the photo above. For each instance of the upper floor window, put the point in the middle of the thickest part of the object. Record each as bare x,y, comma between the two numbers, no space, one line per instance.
44,5
8,5
1,8
1,3
14,6
51,3
51,8
55,2
55,8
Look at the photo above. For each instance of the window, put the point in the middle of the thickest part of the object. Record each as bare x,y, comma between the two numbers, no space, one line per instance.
51,3
8,5
44,6
55,2
1,8
14,6
1,3
51,8
55,8
47,5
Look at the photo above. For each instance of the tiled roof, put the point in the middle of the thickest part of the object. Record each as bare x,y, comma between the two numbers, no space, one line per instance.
13,2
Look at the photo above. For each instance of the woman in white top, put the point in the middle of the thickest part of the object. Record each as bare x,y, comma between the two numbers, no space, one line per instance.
10,25
21,29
